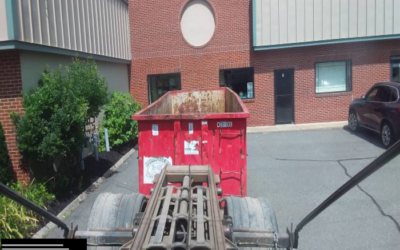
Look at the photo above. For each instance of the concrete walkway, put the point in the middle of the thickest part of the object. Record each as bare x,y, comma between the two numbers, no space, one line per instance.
297,127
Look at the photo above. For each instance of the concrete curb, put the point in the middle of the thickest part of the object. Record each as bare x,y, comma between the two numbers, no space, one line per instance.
297,127
42,233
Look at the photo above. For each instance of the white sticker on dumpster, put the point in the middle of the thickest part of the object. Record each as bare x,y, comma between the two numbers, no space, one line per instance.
153,166
154,129
190,147
190,128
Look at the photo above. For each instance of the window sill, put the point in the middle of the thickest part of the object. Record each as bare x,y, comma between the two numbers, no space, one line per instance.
248,100
321,95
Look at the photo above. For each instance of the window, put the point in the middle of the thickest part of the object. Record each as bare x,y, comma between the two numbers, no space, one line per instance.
240,81
395,66
333,77
372,96
161,84
394,94
382,94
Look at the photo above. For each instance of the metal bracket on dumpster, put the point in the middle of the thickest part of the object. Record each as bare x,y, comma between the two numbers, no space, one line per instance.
233,172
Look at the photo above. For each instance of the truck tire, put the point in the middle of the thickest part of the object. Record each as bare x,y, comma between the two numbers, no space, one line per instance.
251,213
114,211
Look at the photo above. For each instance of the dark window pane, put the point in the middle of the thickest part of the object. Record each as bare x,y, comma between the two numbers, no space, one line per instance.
393,94
395,70
384,93
333,77
239,80
372,95
161,84
380,94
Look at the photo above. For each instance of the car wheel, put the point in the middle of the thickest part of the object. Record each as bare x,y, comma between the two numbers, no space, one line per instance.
353,121
387,135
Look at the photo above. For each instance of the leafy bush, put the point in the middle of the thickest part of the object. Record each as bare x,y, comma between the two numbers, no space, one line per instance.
16,221
5,174
88,84
117,119
51,133
56,112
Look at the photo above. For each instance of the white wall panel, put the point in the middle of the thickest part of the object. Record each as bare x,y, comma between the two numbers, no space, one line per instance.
335,28
327,20
99,27
309,20
353,18
389,17
371,17
292,21
380,17
362,18
300,24
396,16
344,18
3,21
318,19
275,23
281,22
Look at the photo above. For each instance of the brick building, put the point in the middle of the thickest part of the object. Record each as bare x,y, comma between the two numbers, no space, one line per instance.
36,34
292,61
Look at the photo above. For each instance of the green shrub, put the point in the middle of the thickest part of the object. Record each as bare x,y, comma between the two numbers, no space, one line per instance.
117,119
16,221
88,84
56,112
5,174
51,133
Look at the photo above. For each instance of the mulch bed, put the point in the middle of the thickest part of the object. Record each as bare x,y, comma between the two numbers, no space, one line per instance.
93,170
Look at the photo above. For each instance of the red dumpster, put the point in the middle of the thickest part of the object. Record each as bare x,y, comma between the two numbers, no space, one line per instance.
195,128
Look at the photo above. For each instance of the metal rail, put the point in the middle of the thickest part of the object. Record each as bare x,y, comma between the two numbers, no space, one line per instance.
379,162
27,203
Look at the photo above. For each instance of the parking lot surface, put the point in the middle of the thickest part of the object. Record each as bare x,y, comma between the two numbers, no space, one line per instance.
296,171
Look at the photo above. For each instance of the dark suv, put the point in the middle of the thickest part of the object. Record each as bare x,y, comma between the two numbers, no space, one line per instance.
379,111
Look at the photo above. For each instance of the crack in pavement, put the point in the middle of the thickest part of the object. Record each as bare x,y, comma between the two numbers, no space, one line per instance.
358,186
348,159
372,198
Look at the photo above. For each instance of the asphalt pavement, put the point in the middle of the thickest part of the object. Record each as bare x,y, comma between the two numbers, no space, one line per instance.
296,171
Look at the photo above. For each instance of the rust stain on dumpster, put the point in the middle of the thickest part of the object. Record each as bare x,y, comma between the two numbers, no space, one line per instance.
198,102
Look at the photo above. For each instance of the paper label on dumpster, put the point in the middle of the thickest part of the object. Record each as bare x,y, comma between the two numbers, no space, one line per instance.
154,129
190,147
153,166
190,128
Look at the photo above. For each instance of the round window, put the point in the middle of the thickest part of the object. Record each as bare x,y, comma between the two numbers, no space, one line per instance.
198,22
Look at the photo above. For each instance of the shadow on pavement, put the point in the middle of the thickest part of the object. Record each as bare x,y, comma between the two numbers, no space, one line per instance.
366,135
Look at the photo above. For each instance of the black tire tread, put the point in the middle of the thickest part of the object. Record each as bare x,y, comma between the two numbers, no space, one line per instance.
253,213
114,211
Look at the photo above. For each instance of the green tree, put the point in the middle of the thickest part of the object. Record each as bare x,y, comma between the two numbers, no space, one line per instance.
5,175
53,127
117,119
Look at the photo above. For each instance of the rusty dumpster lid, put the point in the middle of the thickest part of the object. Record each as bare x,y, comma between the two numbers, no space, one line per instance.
218,103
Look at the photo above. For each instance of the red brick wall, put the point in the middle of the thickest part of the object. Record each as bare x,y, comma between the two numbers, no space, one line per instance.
11,100
158,47
370,64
